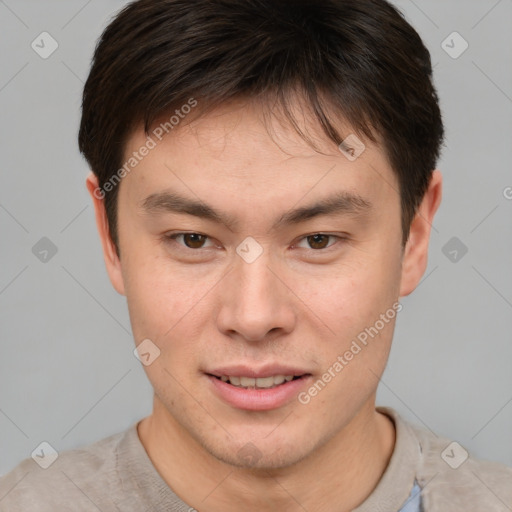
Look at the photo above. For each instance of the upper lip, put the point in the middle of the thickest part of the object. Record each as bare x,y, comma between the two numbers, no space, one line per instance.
257,373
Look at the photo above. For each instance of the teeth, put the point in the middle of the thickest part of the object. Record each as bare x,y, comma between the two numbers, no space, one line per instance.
245,382
278,379
264,382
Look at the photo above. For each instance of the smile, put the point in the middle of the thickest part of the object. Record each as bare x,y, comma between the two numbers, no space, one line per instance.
261,393
257,383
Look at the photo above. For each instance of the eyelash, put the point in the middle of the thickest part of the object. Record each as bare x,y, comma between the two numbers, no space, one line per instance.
174,236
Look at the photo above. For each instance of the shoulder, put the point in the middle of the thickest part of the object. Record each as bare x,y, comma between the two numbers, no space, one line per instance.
81,476
453,480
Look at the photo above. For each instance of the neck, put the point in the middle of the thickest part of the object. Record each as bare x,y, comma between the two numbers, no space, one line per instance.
347,467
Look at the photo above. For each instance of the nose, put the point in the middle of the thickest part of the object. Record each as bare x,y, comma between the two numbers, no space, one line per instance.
255,303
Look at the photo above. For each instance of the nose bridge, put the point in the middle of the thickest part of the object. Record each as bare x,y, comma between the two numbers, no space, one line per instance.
254,302
255,282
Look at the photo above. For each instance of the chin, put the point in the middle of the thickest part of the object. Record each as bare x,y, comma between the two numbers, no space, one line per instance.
260,453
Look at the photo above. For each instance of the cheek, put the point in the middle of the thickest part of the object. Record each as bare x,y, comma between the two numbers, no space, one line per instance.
361,317
359,304
148,303
167,303
352,295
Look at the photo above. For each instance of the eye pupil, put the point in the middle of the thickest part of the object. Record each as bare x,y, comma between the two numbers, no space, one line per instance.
318,241
194,240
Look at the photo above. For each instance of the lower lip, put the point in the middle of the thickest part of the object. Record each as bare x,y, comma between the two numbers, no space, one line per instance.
253,399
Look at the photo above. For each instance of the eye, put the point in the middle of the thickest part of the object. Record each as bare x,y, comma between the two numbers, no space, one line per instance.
318,241
191,240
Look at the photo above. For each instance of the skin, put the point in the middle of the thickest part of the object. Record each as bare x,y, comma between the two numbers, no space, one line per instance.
296,305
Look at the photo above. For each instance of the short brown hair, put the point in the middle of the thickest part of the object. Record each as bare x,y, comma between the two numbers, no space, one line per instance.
355,60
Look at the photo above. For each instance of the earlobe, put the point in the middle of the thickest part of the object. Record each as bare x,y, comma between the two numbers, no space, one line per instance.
414,262
112,261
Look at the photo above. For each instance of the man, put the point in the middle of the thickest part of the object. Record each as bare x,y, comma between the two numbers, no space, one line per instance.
263,176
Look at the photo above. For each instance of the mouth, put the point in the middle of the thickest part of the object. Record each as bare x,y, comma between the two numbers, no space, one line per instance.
257,383
258,390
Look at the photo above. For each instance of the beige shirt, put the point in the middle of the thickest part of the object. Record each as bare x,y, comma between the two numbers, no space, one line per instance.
116,474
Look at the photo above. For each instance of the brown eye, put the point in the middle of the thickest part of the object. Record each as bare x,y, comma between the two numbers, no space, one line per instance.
191,240
318,241
194,240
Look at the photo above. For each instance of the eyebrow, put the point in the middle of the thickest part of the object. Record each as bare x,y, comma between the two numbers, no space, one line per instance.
341,203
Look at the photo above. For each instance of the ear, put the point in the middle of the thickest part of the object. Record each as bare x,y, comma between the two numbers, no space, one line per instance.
112,261
415,257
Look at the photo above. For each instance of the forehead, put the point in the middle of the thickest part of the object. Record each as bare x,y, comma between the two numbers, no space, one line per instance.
239,151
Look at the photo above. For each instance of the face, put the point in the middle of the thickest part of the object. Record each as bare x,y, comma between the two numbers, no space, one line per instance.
249,256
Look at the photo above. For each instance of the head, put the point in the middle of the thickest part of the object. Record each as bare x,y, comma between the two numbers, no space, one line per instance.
234,122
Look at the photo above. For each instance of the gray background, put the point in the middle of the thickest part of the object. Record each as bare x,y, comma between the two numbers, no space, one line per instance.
67,372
